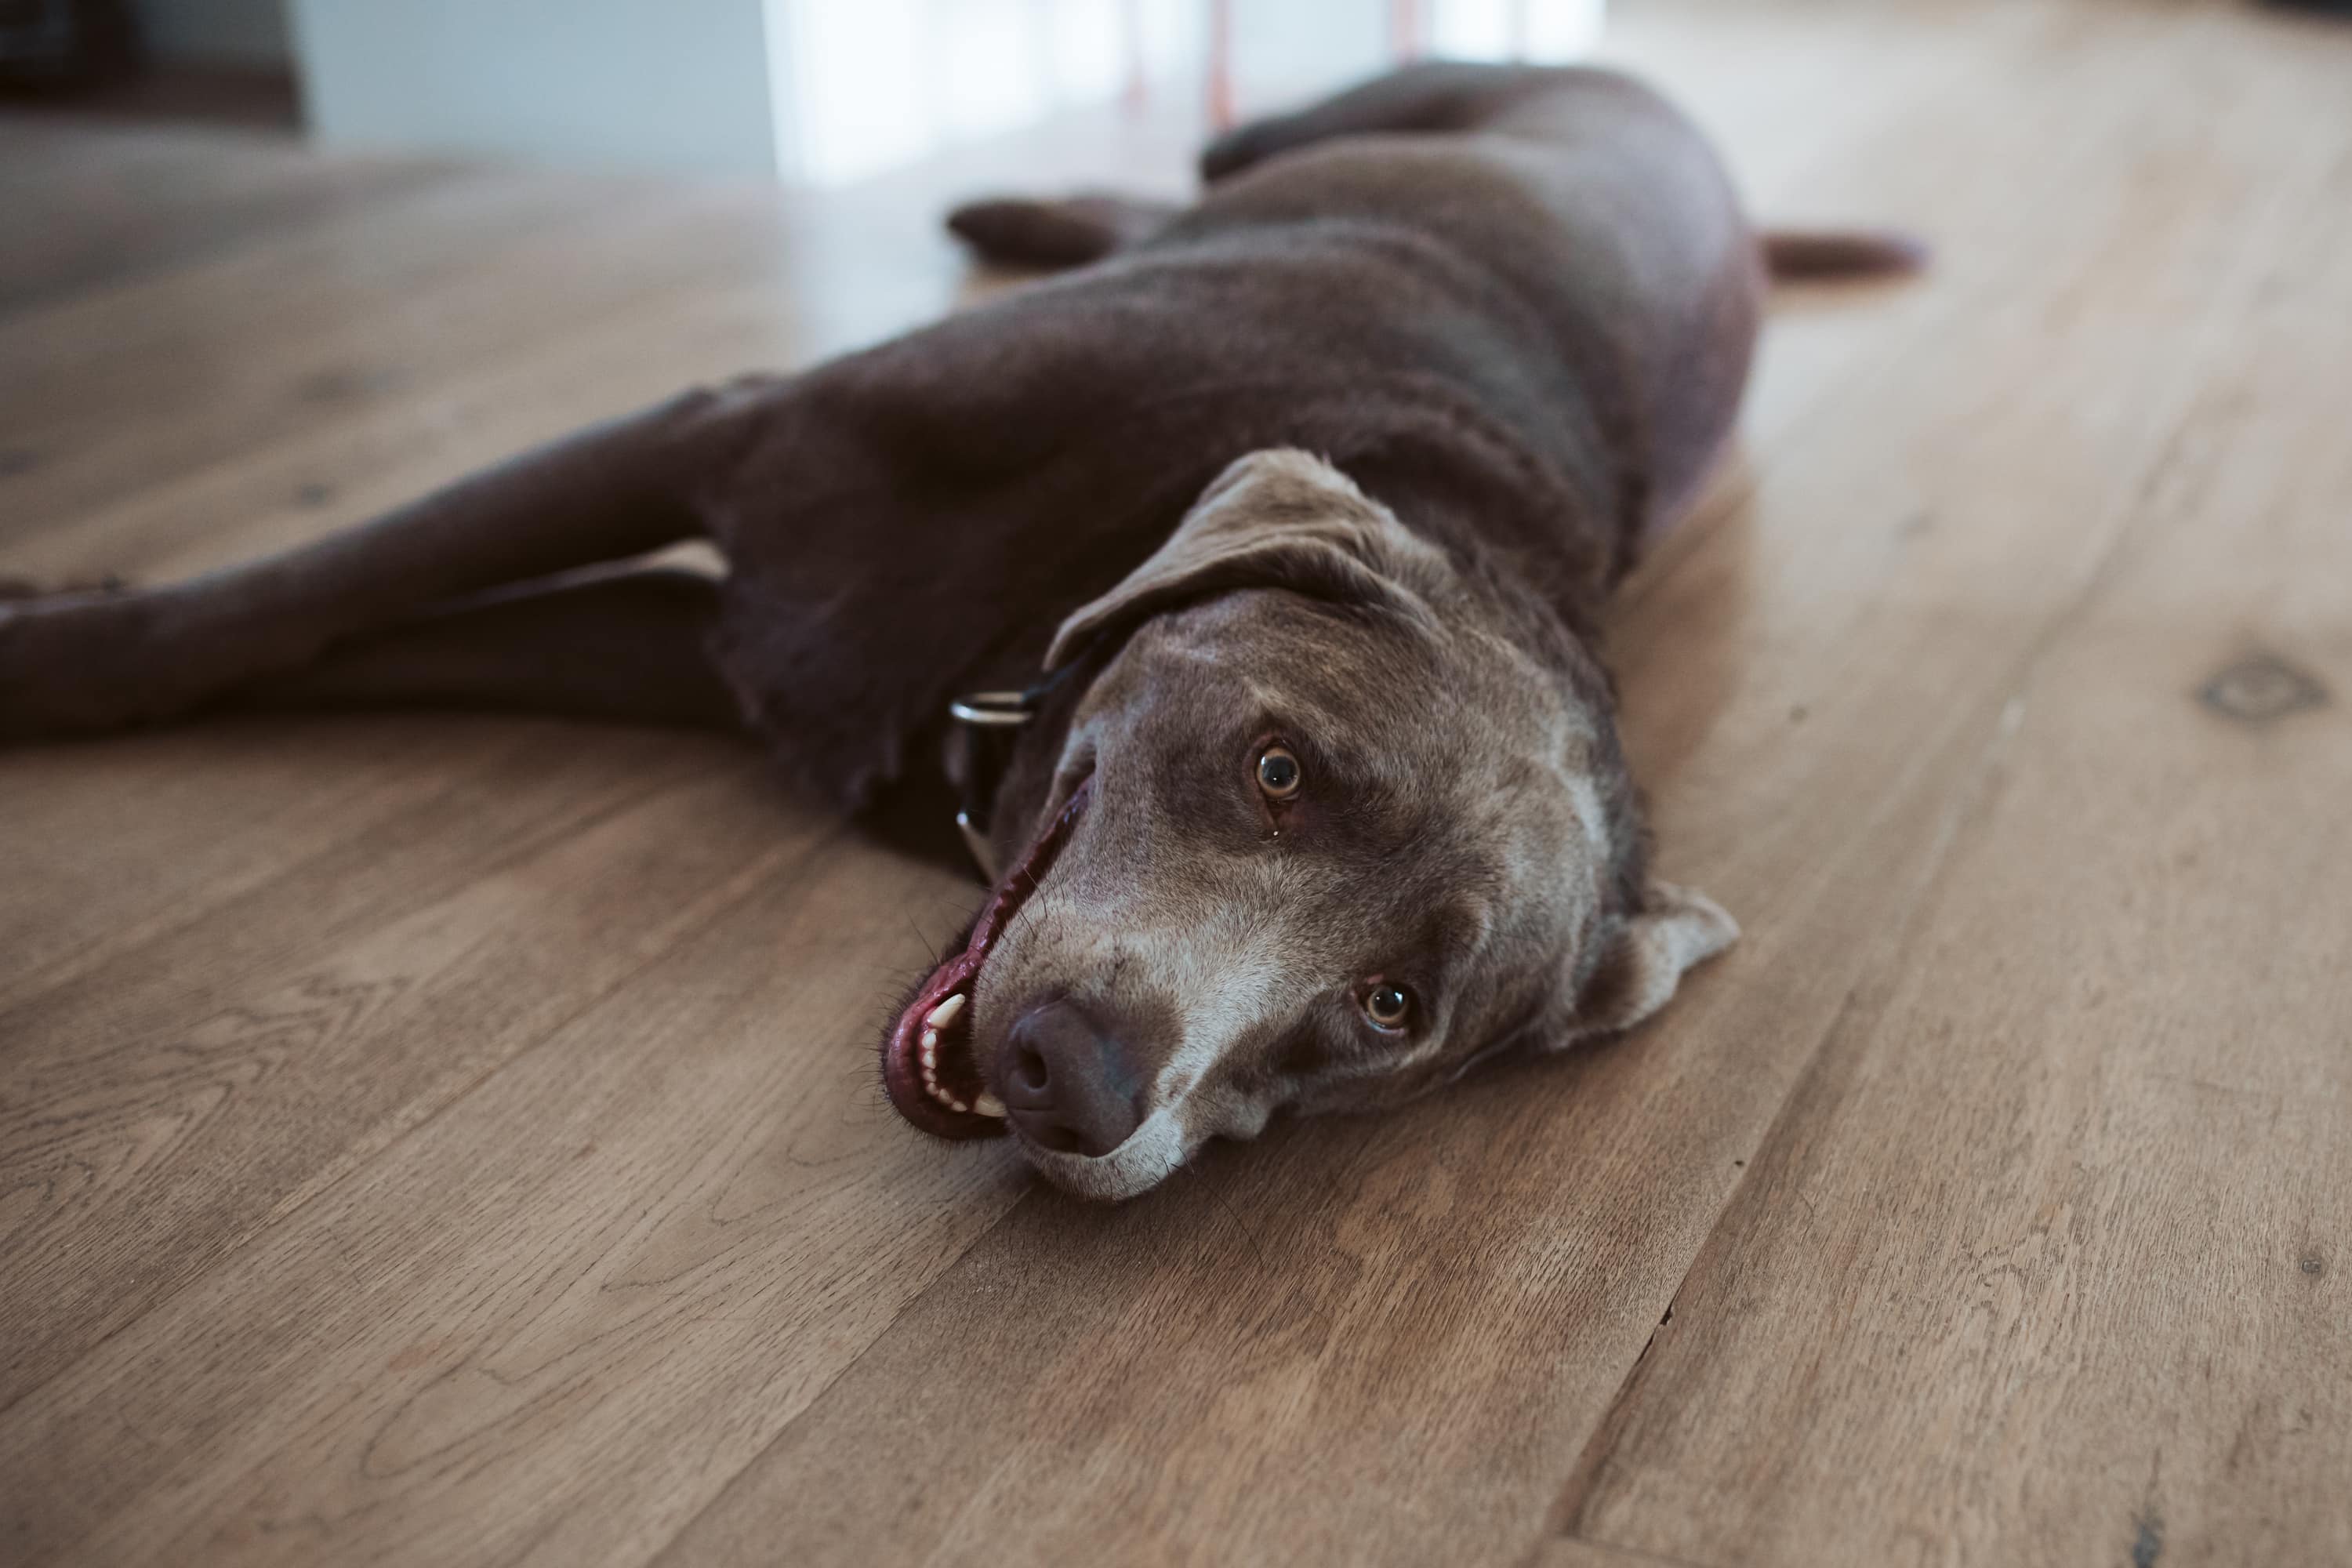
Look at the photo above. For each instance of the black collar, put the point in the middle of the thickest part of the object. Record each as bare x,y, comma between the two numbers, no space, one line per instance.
990,722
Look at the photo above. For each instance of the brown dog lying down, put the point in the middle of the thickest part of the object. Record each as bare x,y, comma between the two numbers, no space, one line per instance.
1304,498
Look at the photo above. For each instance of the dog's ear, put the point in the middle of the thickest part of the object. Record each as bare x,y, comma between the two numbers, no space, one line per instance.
1644,956
1275,519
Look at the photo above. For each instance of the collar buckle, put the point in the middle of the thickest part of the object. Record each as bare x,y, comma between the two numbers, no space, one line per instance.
995,709
989,718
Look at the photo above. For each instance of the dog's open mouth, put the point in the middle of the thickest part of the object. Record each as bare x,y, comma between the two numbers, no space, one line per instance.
928,1067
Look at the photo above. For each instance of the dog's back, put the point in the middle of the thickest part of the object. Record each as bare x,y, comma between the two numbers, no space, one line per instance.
1515,304
1595,203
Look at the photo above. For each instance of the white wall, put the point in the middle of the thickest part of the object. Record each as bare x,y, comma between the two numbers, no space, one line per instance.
657,84
214,32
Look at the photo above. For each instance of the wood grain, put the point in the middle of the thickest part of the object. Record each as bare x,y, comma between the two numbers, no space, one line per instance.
2083,1191
538,1323
456,1141
105,203
195,1084
326,329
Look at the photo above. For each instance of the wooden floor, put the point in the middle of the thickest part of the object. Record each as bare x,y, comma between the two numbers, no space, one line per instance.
445,1141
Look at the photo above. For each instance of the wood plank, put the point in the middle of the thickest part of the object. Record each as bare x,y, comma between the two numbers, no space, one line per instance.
167,1101
131,837
558,1316
2045,1261
477,1158
242,500
1563,1552
116,201
1387,1343
128,390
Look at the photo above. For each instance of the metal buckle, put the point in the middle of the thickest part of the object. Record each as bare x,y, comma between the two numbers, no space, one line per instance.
993,709
985,711
975,844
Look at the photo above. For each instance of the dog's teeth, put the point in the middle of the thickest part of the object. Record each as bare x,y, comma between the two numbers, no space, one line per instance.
950,1009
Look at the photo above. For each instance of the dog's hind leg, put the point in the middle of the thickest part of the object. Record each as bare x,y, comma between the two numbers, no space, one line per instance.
91,661
628,644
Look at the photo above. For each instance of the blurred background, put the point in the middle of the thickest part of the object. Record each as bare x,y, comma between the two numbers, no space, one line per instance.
811,91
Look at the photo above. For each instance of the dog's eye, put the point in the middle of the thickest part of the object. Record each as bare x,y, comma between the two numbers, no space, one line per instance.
1387,1006
1277,772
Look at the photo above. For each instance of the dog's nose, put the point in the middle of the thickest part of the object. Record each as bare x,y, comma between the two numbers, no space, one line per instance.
1069,1083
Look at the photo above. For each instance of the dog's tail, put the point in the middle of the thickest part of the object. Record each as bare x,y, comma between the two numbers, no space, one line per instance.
1791,255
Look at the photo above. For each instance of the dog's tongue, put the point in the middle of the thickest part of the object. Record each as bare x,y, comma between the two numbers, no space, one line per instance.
928,1065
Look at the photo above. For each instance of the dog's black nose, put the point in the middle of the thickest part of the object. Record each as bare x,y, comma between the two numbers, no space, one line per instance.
1069,1084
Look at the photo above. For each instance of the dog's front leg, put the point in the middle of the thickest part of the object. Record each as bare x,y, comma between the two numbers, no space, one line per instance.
82,662
65,659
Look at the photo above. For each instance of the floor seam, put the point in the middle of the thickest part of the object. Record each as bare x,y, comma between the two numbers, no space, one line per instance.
663,1551
2007,701
277,1216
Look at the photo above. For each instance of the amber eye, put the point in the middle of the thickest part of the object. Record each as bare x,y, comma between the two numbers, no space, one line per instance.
1386,1005
1277,772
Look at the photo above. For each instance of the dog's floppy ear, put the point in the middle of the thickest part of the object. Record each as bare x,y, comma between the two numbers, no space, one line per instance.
1275,519
1644,956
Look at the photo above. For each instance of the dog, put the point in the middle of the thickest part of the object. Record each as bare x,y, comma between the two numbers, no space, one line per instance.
1237,590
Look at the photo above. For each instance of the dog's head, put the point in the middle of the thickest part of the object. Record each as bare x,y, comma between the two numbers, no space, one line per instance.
1320,835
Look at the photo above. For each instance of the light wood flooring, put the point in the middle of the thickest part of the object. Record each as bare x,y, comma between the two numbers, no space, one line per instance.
456,1140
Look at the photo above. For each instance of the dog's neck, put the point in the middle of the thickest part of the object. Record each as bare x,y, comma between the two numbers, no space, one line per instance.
1000,755
986,733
